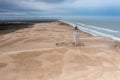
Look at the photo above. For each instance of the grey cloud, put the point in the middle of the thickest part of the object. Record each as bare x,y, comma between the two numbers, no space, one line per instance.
52,1
12,6
56,7
6,5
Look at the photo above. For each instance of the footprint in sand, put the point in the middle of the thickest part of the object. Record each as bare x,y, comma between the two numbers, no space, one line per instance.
2,65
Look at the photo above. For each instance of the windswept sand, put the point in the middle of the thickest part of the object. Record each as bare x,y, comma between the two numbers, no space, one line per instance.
46,52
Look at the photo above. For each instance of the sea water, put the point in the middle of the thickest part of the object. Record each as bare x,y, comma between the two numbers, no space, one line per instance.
98,27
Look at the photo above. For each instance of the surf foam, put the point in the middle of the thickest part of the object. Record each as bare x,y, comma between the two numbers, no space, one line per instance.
93,30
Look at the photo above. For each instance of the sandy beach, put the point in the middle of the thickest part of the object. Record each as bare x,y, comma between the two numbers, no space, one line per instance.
45,52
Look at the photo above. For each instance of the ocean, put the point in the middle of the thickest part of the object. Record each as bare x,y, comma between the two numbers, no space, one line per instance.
98,27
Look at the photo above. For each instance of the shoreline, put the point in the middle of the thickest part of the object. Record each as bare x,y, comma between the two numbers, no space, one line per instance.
93,34
79,29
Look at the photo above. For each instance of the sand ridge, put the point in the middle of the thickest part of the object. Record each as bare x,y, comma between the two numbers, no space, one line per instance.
46,52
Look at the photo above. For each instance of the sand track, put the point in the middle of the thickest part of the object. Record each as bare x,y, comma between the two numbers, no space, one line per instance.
59,63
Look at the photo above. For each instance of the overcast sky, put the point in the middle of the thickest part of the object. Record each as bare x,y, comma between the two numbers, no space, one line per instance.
58,8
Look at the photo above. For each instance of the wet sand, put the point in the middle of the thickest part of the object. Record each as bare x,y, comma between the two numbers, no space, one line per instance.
45,52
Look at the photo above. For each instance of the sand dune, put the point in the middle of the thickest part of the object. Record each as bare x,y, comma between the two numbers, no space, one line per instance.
46,52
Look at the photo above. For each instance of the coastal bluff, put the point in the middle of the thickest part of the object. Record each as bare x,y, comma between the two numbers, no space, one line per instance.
45,52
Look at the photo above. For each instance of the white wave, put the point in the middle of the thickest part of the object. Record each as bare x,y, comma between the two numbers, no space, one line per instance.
98,28
93,32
